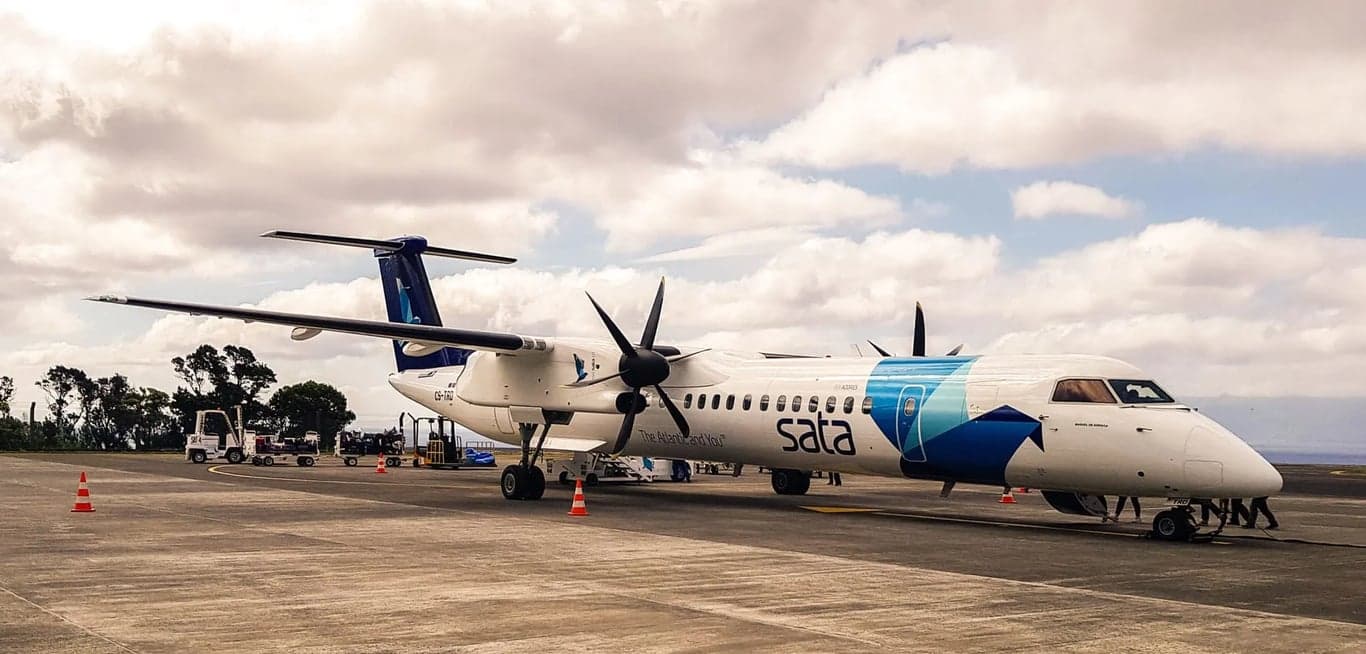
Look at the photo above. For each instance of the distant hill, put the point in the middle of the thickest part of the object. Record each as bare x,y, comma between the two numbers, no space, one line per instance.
1294,429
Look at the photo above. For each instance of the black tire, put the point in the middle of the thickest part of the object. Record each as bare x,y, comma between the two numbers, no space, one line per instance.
786,481
198,456
591,479
235,456
268,461
306,461
350,461
564,478
535,483
1173,525
513,482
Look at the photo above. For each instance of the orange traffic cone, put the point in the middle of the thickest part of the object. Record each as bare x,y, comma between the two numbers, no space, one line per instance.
578,507
1022,489
379,467
82,498
1007,497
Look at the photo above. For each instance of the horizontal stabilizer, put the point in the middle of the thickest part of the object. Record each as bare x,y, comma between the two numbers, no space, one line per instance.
413,244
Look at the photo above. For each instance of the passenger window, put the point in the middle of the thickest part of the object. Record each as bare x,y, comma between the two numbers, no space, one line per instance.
716,401
830,404
781,405
744,404
763,403
1091,391
702,400
867,403
909,409
687,401
730,402
848,405
814,404
796,403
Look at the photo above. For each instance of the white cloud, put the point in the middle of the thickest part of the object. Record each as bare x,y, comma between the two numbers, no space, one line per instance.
1043,199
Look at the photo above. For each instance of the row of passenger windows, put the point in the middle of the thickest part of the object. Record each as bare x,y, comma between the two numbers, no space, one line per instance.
813,403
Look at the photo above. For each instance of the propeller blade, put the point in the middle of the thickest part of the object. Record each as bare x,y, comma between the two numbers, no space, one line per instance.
617,336
879,349
673,411
676,359
628,422
918,348
647,339
954,352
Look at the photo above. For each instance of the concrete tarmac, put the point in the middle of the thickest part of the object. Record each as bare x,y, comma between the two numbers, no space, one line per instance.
180,557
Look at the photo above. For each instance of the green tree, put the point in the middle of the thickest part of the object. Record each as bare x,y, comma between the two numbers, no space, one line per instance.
6,395
310,406
221,380
63,385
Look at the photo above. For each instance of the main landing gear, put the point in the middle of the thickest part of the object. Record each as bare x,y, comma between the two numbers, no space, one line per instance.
525,480
1178,523
790,482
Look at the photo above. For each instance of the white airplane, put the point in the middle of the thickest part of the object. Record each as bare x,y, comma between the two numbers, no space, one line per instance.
1076,427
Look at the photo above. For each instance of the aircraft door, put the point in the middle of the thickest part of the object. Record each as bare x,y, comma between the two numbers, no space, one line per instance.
908,423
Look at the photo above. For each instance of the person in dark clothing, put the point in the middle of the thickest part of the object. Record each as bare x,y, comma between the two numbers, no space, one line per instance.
834,479
1237,510
738,468
1119,508
1205,510
1259,505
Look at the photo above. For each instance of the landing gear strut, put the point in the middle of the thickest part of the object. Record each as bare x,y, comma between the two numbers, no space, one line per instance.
525,480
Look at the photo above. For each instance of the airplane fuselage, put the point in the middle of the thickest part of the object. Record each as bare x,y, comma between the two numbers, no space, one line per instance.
975,419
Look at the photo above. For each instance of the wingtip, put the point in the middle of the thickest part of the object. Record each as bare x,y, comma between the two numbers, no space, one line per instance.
114,299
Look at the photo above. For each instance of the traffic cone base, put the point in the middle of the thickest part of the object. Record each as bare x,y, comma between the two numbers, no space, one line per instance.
82,498
379,466
578,507
1007,498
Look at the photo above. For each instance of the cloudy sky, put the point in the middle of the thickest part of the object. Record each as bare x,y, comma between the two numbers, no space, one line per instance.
1179,185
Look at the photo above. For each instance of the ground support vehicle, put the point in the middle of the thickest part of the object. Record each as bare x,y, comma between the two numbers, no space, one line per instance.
215,437
266,450
352,446
594,469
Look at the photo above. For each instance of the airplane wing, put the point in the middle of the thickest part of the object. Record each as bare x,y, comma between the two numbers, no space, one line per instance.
307,326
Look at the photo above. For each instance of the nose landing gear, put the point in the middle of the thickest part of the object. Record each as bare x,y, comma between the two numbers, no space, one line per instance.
1178,524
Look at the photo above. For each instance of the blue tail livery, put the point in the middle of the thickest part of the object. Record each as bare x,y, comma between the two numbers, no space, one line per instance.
407,289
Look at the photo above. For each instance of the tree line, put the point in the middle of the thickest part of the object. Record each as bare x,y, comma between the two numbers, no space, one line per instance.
109,413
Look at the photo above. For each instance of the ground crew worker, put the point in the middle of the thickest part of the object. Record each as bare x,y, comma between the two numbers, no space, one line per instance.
835,479
1119,508
1259,505
1205,510
1238,509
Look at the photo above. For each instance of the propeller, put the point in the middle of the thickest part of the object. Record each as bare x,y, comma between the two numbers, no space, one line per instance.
918,342
640,367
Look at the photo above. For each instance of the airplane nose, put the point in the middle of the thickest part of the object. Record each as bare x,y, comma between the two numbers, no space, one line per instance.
1267,479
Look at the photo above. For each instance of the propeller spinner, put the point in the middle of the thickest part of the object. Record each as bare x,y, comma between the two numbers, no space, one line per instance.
640,367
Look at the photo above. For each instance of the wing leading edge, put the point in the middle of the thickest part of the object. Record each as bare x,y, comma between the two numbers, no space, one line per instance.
423,335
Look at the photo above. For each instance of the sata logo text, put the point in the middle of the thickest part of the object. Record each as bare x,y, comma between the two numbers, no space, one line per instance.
817,436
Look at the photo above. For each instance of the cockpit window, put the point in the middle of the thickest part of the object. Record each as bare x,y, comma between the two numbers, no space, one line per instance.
1139,391
1092,391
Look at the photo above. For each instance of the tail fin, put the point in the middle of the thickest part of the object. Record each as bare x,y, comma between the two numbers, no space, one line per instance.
407,289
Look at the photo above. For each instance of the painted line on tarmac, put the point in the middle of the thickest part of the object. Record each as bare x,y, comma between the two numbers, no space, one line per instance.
215,470
972,521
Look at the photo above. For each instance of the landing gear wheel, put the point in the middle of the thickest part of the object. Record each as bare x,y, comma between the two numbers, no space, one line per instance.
514,482
198,456
790,482
350,462
535,483
235,456
1173,525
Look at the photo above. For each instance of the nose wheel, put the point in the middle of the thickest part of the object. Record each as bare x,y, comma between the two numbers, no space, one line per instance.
1177,524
